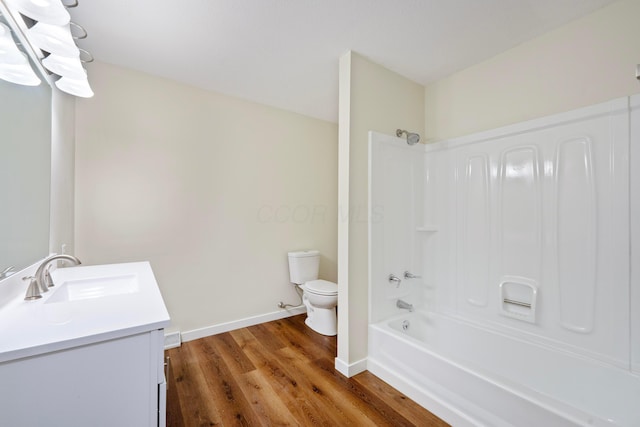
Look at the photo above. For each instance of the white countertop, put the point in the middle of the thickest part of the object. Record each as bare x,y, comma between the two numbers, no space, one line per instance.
29,328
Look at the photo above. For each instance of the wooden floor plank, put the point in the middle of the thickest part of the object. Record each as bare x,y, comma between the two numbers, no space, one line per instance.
298,323
174,411
279,373
267,338
397,400
225,393
296,339
265,401
233,355
379,408
305,409
324,397
339,400
191,386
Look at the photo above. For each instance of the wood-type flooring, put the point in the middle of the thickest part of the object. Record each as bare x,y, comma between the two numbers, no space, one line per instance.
279,373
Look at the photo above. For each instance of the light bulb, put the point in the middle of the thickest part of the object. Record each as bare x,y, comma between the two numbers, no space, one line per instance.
76,87
53,39
49,11
21,74
65,66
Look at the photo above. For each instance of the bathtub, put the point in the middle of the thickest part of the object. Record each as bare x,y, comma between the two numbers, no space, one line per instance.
469,375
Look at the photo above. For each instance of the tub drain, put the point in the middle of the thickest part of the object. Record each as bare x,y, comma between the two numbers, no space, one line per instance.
405,325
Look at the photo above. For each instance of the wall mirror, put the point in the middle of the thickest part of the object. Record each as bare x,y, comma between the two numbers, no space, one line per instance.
25,173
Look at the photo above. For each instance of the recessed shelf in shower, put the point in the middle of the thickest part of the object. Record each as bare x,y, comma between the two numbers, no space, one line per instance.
518,298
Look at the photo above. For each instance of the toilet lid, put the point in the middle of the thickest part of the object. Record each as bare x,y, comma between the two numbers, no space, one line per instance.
321,287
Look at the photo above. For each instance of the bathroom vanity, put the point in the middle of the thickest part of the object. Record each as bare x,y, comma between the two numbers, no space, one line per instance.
89,353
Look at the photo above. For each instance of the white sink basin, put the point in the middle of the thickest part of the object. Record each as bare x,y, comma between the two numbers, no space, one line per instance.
80,309
99,287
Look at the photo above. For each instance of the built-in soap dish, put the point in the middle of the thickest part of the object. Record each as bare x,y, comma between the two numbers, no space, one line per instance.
518,298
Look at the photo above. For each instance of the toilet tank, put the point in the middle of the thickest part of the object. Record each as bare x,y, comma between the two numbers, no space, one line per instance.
303,266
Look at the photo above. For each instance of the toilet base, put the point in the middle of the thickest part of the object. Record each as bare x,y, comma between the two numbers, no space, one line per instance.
322,320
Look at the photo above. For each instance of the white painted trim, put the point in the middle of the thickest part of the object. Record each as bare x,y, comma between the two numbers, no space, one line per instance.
349,370
241,323
344,138
172,340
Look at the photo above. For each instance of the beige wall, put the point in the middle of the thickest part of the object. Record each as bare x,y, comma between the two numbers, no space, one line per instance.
372,98
213,190
587,61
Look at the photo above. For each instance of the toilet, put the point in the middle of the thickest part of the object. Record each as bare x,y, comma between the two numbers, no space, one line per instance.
319,296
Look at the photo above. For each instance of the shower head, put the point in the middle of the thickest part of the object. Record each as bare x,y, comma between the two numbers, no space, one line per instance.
412,138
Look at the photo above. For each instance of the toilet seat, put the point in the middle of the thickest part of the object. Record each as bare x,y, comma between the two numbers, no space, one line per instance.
321,287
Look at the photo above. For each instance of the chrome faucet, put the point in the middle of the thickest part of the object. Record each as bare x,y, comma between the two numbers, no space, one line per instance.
41,282
404,305
42,273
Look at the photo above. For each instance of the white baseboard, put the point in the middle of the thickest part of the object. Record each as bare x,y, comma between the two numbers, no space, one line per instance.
242,323
172,340
349,370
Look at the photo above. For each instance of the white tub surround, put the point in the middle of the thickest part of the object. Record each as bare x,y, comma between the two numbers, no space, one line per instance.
523,242
91,348
451,366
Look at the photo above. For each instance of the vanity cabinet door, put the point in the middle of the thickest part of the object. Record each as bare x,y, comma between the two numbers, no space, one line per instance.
110,383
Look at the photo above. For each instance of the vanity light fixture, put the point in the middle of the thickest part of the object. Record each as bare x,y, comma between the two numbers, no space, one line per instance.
45,29
48,11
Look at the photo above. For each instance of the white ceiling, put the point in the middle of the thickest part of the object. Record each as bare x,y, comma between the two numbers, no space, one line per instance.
284,53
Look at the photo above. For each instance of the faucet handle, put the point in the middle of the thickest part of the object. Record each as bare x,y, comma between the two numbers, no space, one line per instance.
48,281
394,279
33,291
409,275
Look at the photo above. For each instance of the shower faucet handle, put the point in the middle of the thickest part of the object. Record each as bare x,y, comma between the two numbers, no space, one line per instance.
394,279
409,275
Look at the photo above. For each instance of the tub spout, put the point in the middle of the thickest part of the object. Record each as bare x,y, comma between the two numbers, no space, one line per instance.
405,305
